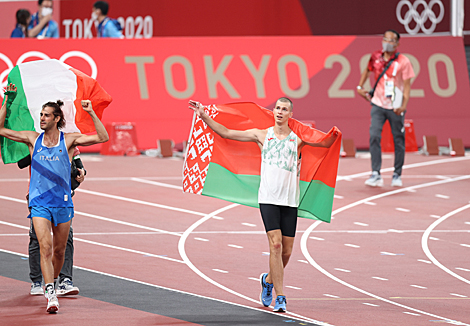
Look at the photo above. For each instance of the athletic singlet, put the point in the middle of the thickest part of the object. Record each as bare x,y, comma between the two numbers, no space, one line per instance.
280,170
50,175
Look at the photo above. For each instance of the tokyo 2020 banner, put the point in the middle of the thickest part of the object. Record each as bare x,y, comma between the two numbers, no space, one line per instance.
151,80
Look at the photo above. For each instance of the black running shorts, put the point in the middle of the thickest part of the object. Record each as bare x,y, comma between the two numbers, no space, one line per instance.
277,217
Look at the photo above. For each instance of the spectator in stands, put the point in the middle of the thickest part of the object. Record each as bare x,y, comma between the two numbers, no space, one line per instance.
42,25
107,27
389,98
23,17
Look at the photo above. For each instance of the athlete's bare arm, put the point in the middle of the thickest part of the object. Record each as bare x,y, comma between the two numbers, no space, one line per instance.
101,136
327,142
250,135
26,137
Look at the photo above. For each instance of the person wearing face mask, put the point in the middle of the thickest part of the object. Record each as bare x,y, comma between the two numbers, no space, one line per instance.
42,25
23,17
107,27
389,100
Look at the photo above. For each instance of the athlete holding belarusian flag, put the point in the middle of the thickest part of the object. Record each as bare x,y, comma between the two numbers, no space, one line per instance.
50,197
278,194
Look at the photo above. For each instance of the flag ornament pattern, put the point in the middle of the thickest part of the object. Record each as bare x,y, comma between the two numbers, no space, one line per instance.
42,81
230,170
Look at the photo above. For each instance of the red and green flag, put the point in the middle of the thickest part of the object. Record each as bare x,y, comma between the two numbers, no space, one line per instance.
230,170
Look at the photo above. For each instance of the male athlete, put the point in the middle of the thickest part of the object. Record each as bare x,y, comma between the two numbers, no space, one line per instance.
278,195
50,197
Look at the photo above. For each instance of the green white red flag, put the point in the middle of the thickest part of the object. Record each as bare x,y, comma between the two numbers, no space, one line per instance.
42,81
230,170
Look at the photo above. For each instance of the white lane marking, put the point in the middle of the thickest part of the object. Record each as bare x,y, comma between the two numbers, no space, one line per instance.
370,203
182,251
418,286
338,197
424,243
166,288
442,196
458,295
467,223
387,253
432,238
395,231
435,216
411,190
352,245
305,252
316,238
425,261
302,261
361,224
249,224
463,269
265,253
293,287
155,183
371,304
141,202
406,210
342,270
235,246
331,296
465,245
254,279
380,278
219,270
217,218
201,239
410,313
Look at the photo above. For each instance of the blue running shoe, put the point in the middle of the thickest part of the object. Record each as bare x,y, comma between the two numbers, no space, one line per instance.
266,295
280,305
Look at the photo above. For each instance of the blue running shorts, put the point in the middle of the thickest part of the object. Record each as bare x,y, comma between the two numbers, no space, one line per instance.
56,215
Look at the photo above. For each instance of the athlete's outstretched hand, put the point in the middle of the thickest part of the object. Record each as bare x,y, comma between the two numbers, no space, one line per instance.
196,107
86,105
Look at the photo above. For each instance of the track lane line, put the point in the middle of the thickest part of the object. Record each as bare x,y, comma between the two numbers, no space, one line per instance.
305,252
424,243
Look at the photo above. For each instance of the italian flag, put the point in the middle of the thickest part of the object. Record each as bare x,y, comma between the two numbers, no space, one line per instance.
42,81
230,170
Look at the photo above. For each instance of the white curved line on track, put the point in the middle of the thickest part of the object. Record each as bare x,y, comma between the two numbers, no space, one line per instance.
305,252
185,258
424,243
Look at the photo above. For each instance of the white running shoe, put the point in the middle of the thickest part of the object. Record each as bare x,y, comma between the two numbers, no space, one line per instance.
52,302
66,288
375,180
36,288
396,181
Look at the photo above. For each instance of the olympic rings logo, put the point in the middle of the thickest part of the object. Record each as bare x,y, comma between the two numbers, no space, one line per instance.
420,19
37,54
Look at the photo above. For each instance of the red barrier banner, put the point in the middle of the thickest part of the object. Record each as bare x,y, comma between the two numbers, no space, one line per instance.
151,80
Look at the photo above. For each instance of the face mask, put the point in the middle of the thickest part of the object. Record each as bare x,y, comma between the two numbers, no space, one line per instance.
94,16
388,47
46,11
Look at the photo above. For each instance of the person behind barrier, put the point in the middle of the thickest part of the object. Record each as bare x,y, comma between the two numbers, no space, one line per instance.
107,27
278,195
389,99
50,189
42,25
65,285
23,17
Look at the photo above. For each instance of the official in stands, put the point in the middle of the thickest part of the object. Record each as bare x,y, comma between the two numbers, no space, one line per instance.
42,25
23,17
107,27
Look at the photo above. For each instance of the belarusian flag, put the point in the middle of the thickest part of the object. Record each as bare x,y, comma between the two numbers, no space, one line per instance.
39,82
230,170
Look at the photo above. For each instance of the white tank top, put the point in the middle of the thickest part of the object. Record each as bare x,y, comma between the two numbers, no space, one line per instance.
280,170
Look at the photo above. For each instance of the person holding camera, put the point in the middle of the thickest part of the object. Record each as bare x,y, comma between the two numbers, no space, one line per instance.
389,99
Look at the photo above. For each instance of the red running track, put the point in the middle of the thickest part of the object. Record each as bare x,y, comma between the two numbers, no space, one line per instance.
391,256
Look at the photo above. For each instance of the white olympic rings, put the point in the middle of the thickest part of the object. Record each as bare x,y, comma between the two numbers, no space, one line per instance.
37,54
420,19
